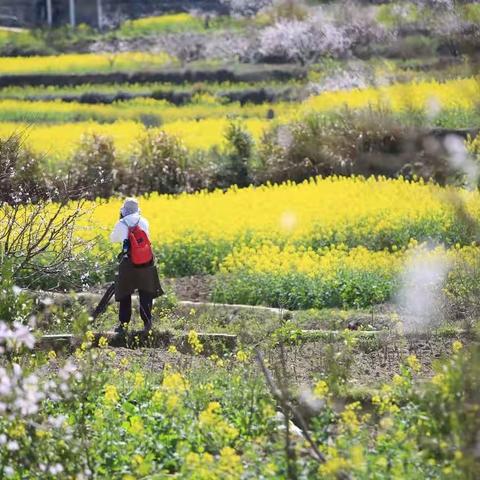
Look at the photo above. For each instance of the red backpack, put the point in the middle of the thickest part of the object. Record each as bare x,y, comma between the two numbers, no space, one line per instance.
140,247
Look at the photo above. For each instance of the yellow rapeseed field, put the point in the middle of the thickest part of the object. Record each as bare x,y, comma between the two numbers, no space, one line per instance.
161,24
83,62
205,134
272,259
58,142
201,125
317,212
326,242
426,95
58,111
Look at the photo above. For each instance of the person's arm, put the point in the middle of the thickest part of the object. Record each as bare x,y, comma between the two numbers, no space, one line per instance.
120,233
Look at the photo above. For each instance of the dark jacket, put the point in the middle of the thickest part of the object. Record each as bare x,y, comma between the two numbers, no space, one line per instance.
131,278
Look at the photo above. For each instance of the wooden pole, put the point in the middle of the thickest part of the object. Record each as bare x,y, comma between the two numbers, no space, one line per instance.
73,20
49,13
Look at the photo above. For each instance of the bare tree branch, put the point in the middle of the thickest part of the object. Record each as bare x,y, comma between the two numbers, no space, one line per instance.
281,396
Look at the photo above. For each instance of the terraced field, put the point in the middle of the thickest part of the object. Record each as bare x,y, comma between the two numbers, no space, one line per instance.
310,174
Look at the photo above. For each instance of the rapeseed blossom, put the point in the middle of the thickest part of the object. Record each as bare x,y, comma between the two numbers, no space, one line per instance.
111,394
200,125
134,425
212,419
174,382
374,212
321,389
82,63
457,346
194,342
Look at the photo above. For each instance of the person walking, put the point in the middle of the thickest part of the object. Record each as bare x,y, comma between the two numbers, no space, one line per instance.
136,269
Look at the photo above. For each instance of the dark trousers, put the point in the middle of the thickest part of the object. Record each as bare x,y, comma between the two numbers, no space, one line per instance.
146,302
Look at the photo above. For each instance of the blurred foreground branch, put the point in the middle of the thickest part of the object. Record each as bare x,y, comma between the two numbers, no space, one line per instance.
282,397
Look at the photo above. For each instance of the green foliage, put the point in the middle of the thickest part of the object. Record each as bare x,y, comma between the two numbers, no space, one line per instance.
15,305
395,14
295,291
176,23
471,12
214,419
45,42
238,155
122,423
192,256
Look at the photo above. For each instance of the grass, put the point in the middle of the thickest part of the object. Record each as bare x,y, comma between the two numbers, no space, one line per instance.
177,24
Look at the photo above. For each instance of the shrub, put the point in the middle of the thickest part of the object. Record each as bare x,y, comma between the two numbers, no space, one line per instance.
160,164
296,151
364,142
238,155
95,166
21,175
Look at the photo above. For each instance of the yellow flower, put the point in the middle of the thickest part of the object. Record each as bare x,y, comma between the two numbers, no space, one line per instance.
79,352
218,361
175,382
349,417
398,380
139,380
242,356
381,462
172,349
356,456
52,355
17,431
40,433
135,425
457,345
111,394
172,402
211,419
332,466
321,389
268,411
194,342
89,336
386,423
82,62
102,342
413,363
270,469
229,464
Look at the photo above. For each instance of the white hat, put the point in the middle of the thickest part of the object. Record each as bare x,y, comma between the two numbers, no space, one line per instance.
130,206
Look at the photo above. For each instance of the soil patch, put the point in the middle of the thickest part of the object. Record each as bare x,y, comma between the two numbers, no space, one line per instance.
197,288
